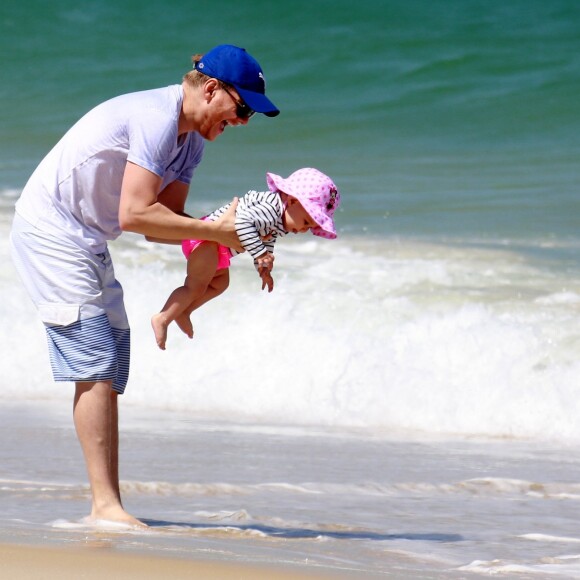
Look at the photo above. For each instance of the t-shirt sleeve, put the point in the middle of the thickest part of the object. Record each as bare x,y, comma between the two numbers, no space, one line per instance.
151,140
193,157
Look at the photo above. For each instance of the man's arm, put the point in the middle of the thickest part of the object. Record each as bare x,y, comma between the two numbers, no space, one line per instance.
161,217
172,197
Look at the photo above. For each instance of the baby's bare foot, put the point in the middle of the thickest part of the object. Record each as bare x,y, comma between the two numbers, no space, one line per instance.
184,323
160,329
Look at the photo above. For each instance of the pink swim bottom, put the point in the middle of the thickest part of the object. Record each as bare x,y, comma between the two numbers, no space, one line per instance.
224,254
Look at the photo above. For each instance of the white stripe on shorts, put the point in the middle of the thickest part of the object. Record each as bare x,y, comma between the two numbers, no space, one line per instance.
90,350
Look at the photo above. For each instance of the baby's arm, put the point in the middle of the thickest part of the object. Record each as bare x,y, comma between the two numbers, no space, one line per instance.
249,236
257,215
252,221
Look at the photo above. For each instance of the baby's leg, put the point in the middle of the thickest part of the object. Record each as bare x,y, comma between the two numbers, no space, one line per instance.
218,284
201,267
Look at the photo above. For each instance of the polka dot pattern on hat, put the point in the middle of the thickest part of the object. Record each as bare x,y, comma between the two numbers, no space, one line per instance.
316,192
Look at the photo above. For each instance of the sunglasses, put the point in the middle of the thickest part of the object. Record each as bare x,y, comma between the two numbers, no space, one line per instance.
242,110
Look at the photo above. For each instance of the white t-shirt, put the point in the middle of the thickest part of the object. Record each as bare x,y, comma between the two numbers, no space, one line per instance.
75,190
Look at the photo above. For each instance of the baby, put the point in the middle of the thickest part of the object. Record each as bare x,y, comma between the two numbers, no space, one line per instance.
304,201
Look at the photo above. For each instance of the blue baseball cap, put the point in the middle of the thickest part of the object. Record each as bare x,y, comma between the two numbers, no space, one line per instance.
234,66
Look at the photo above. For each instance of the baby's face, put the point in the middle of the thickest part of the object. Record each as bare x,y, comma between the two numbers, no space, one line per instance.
295,219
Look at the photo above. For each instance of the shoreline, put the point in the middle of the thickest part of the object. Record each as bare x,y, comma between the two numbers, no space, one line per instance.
30,562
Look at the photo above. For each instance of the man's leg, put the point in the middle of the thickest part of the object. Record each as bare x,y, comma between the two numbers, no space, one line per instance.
114,462
96,421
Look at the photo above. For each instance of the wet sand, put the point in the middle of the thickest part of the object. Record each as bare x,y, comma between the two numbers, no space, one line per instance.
26,562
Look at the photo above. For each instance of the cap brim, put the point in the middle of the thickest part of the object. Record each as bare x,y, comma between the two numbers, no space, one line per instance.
258,102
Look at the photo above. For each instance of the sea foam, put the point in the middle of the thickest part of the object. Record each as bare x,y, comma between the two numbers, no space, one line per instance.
366,334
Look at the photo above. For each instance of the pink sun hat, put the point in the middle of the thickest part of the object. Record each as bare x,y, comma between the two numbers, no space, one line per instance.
317,194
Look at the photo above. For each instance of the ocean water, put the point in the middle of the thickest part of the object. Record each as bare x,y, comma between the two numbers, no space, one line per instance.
414,409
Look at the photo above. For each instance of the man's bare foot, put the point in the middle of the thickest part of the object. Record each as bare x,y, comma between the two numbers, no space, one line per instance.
160,329
117,515
184,323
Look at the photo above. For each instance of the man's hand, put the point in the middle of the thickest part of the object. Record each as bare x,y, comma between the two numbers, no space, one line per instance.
226,228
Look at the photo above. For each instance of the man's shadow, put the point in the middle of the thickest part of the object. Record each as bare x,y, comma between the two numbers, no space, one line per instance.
306,533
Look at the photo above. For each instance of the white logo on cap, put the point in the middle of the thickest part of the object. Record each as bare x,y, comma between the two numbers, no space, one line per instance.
263,79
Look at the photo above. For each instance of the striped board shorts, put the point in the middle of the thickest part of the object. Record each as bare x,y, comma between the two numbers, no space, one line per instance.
80,303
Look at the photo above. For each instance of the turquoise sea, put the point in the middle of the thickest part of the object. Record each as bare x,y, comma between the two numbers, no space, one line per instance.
437,118
421,373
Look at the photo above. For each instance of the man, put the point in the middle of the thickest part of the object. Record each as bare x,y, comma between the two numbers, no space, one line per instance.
125,166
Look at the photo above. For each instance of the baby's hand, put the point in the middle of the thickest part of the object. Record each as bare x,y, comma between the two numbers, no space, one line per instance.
266,260
267,279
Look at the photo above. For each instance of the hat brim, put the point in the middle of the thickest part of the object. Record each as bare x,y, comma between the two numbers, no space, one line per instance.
258,102
324,233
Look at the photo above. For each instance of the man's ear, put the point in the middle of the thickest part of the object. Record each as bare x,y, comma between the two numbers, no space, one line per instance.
209,89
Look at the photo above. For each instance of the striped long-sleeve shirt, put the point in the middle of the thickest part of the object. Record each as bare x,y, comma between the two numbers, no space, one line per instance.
259,213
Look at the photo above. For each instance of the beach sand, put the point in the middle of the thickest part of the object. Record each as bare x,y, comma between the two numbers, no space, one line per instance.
25,562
